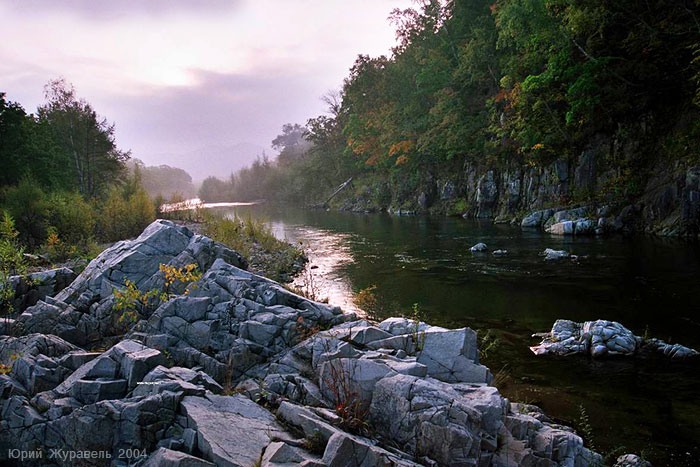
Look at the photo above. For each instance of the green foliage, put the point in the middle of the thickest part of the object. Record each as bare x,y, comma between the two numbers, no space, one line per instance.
12,261
72,218
28,205
366,300
486,83
254,240
125,213
488,343
134,304
163,180
83,140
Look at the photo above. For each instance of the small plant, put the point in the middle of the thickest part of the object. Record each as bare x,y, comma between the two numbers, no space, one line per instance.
346,401
417,335
488,343
367,301
12,262
254,240
56,249
305,330
134,303
314,443
585,426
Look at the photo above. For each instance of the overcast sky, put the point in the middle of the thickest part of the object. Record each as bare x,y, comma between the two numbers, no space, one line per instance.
212,79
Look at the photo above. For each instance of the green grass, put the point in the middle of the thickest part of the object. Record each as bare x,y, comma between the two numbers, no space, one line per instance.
253,239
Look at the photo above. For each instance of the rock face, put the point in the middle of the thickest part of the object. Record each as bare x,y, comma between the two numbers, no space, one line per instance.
600,338
37,286
399,393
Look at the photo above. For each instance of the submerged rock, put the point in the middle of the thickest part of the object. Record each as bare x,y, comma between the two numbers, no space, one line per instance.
550,254
478,248
600,338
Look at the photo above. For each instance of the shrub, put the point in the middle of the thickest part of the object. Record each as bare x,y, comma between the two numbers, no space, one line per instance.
28,206
125,215
72,217
11,262
134,303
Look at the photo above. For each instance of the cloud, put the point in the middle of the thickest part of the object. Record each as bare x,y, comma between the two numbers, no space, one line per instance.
109,10
178,76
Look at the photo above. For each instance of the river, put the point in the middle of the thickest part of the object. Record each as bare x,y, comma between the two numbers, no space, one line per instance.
649,285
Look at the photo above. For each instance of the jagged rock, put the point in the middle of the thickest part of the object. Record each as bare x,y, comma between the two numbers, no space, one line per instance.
282,454
600,338
81,312
346,450
486,195
347,381
37,286
412,381
562,228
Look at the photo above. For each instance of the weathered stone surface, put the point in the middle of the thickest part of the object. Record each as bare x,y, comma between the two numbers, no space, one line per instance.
232,431
351,381
346,450
537,218
163,457
279,454
452,356
562,228
37,286
600,338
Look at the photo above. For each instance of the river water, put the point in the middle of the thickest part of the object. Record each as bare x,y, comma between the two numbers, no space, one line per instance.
649,285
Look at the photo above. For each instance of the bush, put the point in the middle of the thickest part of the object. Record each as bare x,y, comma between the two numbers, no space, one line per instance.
11,261
28,206
72,218
125,216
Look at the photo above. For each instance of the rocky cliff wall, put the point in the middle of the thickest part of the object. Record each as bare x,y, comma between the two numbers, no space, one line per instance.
661,198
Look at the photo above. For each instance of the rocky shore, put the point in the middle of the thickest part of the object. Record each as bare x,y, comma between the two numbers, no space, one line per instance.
238,371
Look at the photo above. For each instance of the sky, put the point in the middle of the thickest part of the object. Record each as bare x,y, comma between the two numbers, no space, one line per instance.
203,85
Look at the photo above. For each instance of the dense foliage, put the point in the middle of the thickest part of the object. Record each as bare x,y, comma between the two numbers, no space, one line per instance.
64,183
504,81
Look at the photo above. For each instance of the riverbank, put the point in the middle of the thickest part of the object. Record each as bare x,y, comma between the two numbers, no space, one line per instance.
239,357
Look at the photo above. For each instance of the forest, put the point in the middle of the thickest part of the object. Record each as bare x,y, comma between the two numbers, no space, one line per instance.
66,187
499,85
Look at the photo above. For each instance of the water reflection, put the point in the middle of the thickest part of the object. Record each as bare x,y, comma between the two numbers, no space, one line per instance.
649,285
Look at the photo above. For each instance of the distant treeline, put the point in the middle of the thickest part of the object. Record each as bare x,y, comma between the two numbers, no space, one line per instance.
494,82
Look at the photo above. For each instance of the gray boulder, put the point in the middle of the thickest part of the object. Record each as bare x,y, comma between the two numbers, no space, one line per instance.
601,338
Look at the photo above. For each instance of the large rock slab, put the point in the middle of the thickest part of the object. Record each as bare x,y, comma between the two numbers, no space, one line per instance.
231,430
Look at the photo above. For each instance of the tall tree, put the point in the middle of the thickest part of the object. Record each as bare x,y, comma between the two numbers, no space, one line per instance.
86,139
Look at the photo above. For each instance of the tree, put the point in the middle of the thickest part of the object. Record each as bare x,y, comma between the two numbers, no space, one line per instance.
292,143
85,139
13,141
